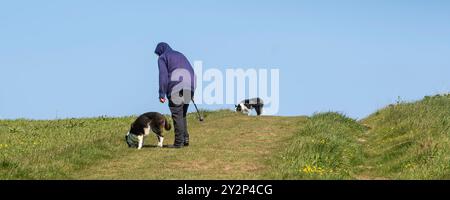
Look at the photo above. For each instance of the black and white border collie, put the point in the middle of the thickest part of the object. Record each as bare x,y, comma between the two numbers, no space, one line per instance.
247,105
141,127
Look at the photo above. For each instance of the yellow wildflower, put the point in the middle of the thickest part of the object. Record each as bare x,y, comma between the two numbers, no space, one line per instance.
313,170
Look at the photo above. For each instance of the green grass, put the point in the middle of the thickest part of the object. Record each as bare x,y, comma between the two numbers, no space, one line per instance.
411,140
226,145
53,149
326,147
401,141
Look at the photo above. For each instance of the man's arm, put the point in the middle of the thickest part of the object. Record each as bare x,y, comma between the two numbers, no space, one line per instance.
163,78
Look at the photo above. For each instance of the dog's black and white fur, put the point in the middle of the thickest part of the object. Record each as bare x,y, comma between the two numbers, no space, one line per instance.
247,105
141,127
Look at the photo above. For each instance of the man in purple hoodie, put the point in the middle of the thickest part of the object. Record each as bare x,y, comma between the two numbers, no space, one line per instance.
177,82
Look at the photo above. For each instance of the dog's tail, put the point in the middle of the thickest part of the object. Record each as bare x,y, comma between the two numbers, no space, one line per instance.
167,125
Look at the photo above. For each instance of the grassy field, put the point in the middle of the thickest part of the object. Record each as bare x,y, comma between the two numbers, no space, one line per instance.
410,140
401,141
226,145
325,147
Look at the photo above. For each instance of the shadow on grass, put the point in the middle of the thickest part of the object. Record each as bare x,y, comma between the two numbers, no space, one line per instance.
150,146
155,146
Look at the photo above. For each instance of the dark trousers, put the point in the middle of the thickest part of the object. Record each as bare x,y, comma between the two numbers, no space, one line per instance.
179,112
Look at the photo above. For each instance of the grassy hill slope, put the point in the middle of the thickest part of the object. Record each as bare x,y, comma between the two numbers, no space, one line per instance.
410,140
402,141
226,145
326,147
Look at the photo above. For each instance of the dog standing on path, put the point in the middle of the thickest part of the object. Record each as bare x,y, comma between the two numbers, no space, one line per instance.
247,105
141,127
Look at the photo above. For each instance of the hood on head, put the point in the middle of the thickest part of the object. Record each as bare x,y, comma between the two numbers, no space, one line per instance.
161,48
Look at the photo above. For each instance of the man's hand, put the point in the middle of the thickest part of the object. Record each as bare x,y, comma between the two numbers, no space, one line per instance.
162,100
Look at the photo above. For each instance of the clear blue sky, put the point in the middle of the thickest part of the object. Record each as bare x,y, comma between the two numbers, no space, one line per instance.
83,58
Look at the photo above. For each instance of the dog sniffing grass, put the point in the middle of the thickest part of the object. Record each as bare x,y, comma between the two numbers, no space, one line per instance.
401,141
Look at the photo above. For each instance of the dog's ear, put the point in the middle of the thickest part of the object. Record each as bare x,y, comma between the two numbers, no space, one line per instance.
236,106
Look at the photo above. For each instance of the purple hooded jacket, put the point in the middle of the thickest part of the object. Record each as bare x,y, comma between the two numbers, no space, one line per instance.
170,63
